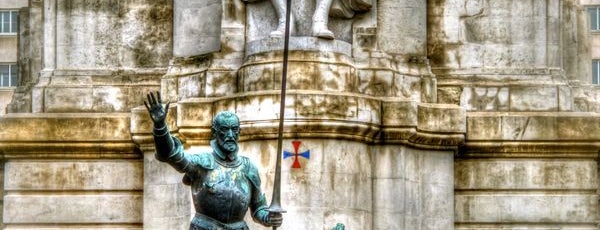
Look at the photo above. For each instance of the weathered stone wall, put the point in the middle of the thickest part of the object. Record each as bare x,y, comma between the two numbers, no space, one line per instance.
346,179
140,34
419,115
13,4
334,186
30,56
97,56
412,189
530,170
528,161
486,36
5,96
506,55
70,170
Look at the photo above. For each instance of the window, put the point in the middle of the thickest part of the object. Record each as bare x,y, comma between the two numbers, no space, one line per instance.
9,75
594,13
596,72
9,21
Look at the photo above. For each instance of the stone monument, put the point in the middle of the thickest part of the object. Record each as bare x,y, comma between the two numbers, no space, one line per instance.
462,114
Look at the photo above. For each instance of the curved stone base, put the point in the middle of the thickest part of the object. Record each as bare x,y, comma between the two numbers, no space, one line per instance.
313,64
298,43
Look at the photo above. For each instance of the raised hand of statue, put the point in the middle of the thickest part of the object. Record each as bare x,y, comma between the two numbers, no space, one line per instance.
275,219
158,113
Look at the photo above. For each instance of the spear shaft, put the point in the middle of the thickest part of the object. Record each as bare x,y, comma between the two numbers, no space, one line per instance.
276,198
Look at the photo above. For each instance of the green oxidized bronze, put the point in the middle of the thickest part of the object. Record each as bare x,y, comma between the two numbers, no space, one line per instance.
224,185
339,226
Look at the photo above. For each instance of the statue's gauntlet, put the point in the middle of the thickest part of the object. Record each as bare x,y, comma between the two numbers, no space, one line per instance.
260,214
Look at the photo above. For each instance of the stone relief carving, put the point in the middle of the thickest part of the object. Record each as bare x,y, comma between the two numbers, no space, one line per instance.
323,9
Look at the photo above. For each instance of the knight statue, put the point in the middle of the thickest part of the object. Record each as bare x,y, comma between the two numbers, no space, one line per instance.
224,185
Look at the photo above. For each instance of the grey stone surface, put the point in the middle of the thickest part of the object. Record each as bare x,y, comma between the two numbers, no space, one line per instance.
335,184
73,208
441,118
530,98
403,79
5,97
574,208
485,99
526,174
166,200
532,126
73,175
402,22
412,189
298,43
196,27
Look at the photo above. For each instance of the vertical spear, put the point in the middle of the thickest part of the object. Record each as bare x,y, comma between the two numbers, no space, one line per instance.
275,199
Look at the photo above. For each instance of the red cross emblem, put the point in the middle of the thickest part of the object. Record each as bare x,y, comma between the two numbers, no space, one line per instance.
295,154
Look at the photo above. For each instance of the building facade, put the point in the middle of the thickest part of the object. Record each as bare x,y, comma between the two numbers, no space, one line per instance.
593,11
9,70
465,114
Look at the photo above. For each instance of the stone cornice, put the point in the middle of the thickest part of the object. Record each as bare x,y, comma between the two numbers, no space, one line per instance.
316,114
530,149
66,135
533,126
532,134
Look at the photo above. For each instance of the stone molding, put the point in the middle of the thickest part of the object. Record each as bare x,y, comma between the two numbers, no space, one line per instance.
532,134
299,43
315,114
66,135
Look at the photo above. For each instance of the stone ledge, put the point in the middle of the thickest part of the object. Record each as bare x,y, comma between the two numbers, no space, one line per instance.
70,127
299,43
530,149
66,135
501,208
68,150
73,208
73,175
109,72
533,126
487,73
568,174
315,114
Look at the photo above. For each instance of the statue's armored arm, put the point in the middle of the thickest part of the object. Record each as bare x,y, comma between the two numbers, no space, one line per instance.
258,203
259,210
165,146
169,149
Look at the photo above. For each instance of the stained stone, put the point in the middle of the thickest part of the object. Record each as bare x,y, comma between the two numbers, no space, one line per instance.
462,114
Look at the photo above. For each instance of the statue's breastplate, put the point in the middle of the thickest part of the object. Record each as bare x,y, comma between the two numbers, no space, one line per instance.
222,193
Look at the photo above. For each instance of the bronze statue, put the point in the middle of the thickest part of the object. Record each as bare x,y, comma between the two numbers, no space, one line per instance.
224,185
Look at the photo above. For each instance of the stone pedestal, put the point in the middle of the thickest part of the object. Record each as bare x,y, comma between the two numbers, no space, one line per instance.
167,201
333,186
314,64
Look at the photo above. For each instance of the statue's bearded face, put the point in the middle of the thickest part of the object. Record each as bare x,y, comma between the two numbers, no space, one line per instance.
227,132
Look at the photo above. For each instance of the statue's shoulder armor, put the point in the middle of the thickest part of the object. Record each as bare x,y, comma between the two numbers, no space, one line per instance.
251,172
205,160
